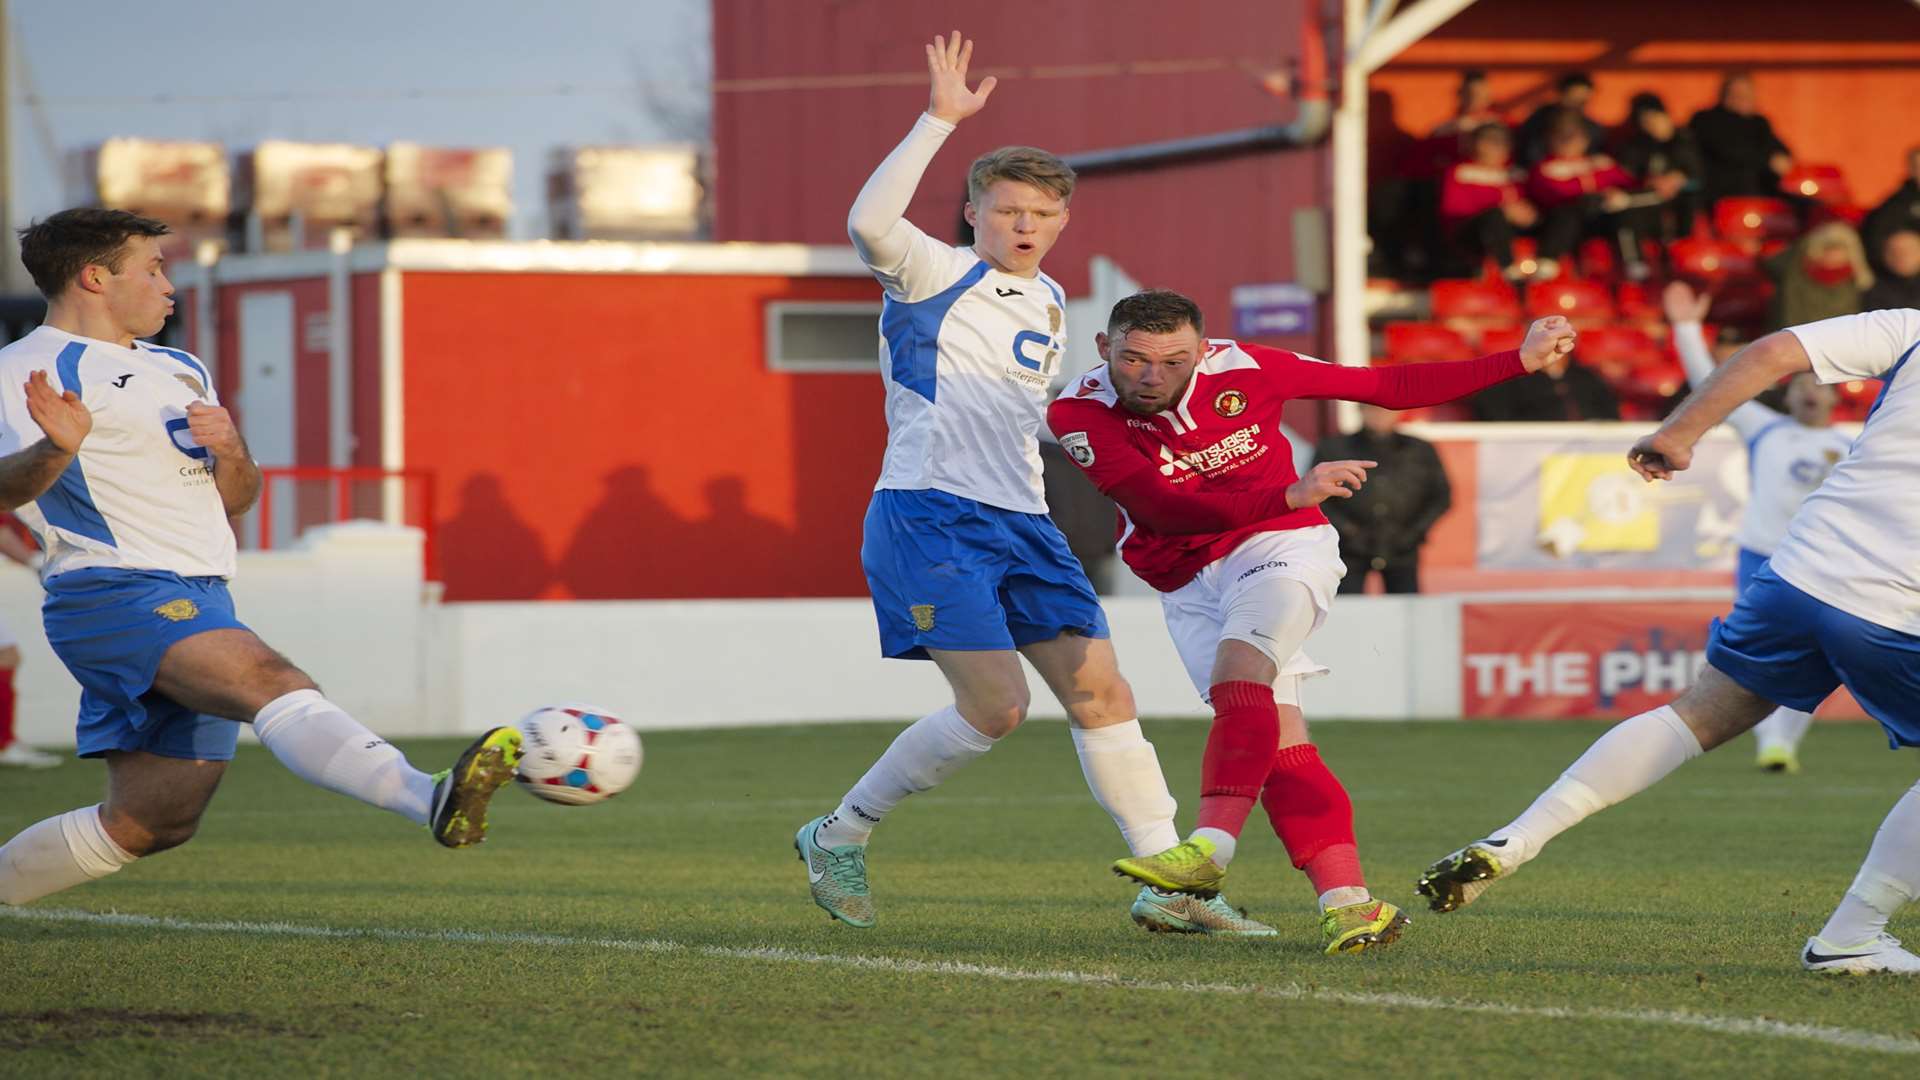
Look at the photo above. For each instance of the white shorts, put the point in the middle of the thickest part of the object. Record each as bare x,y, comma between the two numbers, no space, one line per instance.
1233,599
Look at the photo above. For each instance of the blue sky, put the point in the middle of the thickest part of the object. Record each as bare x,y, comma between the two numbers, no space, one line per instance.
528,77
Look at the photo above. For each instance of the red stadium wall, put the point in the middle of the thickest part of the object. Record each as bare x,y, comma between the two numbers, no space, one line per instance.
620,436
1839,79
826,90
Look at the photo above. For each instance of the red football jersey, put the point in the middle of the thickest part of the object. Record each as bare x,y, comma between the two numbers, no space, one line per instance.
1213,470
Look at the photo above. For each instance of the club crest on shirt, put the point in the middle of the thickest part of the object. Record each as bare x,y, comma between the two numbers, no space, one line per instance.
193,384
922,616
1078,448
1230,403
178,610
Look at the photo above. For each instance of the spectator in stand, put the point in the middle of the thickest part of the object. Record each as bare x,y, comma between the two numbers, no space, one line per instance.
1900,211
1582,193
1570,94
1473,110
1481,205
1383,526
1563,390
1897,283
1822,275
1743,156
1666,159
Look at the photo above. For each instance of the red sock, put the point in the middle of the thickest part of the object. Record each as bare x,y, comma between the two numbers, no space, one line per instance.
1313,816
1246,729
6,708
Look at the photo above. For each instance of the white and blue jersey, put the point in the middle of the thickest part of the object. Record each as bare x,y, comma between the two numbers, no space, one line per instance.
1839,599
137,541
139,495
958,550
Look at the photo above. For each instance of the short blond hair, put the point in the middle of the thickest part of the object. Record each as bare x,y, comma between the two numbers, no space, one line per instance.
1024,165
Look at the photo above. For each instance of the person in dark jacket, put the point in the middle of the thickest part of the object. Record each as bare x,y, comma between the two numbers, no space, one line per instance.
1900,211
1743,156
1571,93
1897,285
1667,162
1384,524
1563,390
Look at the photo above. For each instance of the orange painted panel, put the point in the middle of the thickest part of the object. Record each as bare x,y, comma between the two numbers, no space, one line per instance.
621,436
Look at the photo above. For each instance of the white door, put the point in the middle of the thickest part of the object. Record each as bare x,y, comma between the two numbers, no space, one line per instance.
265,402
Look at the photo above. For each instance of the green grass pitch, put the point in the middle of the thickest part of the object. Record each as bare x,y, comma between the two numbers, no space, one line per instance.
669,931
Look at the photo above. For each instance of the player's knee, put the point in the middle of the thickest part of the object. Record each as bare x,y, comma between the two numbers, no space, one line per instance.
150,836
997,715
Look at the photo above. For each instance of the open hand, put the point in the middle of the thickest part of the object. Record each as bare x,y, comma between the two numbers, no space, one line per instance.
1659,456
62,416
1547,339
212,427
1328,480
950,99
1683,304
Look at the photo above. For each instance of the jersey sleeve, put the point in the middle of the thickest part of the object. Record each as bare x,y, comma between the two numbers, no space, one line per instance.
1863,346
909,264
1409,386
17,429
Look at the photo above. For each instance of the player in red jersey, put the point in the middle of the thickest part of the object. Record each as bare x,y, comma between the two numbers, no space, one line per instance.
1184,433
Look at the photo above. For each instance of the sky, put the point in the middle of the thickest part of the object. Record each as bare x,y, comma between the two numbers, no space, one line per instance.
529,77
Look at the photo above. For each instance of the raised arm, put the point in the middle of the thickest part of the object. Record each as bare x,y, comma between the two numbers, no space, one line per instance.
1686,311
1415,385
877,222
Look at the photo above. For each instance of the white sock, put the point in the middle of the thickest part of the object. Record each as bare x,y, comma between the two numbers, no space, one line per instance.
321,744
57,854
1123,772
1888,880
1224,843
1344,896
1783,727
932,748
1636,754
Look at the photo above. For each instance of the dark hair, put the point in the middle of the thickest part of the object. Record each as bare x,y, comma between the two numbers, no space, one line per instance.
1472,75
57,249
1157,311
1564,122
1731,77
1646,101
1493,129
1574,78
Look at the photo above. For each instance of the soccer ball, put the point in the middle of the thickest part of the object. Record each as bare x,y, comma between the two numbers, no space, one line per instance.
576,755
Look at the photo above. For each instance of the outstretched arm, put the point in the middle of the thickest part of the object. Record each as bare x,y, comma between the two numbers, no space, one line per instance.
877,222
1415,385
1685,311
1749,371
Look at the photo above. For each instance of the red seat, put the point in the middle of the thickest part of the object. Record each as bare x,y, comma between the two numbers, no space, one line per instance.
1474,303
1419,342
1583,302
1636,301
1856,399
1751,220
1501,339
1709,262
1598,259
1627,347
1743,301
1820,182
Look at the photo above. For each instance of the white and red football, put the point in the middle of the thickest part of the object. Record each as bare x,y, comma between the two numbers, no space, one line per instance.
577,754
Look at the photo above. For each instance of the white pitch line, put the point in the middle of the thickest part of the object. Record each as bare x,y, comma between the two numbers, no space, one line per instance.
1845,1038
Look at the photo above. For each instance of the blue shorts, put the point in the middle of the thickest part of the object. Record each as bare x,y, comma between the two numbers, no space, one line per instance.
1748,565
1794,650
110,627
951,573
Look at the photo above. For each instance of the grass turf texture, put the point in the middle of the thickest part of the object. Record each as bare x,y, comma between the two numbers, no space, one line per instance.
1691,898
